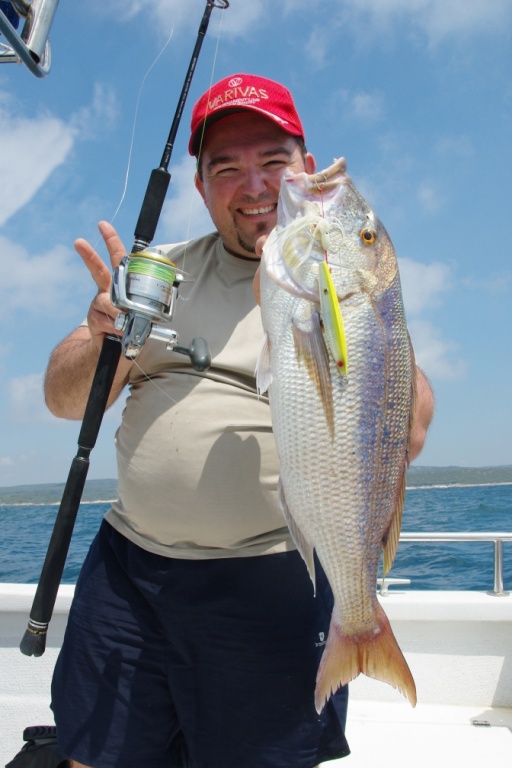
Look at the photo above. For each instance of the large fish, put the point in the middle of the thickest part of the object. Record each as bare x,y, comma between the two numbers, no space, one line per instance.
339,368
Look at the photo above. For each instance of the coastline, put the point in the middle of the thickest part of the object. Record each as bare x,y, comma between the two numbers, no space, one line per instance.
418,477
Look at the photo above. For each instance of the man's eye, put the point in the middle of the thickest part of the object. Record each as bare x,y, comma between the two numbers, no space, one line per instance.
228,171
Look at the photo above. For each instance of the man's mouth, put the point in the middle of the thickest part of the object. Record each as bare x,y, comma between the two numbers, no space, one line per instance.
261,210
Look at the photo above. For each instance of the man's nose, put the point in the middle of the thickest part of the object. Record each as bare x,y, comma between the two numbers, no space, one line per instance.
254,181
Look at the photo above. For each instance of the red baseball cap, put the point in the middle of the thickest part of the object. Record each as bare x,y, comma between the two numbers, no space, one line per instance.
238,93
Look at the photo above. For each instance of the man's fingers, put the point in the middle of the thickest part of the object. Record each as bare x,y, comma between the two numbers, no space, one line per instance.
113,242
100,273
260,242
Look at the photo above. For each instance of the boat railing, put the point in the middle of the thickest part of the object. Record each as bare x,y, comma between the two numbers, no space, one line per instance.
497,538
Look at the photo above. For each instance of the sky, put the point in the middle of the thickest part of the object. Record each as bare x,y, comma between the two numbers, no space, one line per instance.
415,94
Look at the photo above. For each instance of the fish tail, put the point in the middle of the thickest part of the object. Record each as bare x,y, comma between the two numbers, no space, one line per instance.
375,654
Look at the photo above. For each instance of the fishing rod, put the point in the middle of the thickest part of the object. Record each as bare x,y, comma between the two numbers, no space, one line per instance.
144,287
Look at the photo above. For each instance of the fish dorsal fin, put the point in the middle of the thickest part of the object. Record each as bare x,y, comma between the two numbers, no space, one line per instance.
311,350
303,545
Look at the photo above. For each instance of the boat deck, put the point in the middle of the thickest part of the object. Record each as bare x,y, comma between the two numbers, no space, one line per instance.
392,733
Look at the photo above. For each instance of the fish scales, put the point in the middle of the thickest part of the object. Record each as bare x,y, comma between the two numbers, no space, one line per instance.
341,435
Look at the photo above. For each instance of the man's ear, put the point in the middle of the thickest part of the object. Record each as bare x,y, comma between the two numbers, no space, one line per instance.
199,186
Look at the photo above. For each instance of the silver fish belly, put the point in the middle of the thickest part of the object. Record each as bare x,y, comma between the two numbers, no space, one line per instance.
342,395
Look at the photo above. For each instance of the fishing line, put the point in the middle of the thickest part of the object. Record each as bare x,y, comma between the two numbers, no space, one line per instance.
134,126
130,152
189,220
212,73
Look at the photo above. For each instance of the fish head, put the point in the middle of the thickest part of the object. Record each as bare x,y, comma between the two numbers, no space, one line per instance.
323,217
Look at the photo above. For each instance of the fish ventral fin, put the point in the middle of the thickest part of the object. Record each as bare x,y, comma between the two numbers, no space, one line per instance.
311,350
304,546
375,654
263,371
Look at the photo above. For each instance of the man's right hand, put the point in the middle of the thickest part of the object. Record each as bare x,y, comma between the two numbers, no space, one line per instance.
102,313
73,362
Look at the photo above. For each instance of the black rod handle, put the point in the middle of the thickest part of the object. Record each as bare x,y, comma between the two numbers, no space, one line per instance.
33,642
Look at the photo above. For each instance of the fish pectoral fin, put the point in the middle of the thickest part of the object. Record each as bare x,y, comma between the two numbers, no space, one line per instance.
263,372
374,653
393,534
311,350
303,545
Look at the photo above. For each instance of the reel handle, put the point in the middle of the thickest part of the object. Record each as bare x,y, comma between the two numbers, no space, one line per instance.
198,352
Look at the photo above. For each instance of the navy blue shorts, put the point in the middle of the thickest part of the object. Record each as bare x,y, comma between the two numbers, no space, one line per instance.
202,663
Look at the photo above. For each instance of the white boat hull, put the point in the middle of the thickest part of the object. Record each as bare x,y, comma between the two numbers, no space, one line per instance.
457,644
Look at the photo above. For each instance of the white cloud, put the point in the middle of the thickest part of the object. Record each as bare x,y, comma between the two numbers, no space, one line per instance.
359,106
422,284
316,49
371,21
458,146
438,358
422,288
26,400
100,115
32,148
429,197
438,19
38,282
239,19
494,283
184,215
367,106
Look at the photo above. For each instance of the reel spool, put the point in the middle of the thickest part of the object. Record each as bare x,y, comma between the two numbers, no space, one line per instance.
145,288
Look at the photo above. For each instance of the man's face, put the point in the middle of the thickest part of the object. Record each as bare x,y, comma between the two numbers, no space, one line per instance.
242,161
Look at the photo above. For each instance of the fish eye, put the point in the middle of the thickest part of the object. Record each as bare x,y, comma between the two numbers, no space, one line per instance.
368,236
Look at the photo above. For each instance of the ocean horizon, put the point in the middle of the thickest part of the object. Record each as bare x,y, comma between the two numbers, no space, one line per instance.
417,477
437,500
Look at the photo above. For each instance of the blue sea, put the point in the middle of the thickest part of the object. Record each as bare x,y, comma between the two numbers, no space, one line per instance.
27,527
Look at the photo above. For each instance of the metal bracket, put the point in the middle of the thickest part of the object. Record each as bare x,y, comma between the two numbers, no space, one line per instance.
32,46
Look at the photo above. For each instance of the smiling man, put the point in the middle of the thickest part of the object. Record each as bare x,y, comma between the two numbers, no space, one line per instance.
195,636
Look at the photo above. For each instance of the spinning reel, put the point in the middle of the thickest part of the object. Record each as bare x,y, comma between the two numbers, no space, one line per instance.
145,287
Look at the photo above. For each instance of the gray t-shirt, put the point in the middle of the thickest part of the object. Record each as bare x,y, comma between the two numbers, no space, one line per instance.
197,463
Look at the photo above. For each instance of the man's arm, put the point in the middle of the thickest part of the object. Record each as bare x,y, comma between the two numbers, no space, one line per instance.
423,413
73,362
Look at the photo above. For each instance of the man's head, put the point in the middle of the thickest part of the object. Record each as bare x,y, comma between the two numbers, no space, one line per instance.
246,133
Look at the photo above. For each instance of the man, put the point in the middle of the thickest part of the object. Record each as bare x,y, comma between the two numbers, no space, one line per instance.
194,636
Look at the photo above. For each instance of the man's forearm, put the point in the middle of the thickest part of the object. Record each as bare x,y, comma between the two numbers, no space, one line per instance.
70,374
423,413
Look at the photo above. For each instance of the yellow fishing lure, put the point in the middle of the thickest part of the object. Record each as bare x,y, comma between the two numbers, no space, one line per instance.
332,319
